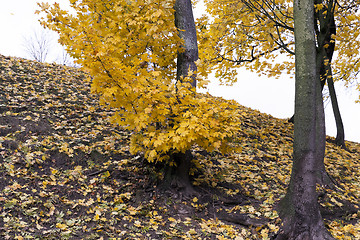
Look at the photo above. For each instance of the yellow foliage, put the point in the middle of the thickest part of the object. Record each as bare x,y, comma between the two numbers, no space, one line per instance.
236,35
253,34
130,49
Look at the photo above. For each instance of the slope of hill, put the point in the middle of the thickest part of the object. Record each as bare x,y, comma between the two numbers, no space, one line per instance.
66,172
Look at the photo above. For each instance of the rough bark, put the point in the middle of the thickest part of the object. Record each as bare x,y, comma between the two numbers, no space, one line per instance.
299,209
184,21
177,176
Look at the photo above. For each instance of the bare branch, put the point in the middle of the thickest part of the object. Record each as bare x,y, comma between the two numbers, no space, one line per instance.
253,57
38,44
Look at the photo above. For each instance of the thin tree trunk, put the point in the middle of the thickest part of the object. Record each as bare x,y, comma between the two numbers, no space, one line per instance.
299,209
323,178
340,133
327,29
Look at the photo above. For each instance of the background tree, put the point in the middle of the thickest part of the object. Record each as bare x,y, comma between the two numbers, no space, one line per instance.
64,58
38,44
41,45
299,209
143,65
253,34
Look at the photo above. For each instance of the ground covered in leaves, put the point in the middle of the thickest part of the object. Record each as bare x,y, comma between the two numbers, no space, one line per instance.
66,172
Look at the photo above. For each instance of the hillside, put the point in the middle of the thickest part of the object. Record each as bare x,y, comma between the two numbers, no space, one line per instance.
66,172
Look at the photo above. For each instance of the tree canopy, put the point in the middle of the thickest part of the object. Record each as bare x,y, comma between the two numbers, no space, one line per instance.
131,47
253,34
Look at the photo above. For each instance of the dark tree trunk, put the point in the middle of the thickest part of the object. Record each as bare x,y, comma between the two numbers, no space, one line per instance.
326,45
323,178
299,209
177,176
340,134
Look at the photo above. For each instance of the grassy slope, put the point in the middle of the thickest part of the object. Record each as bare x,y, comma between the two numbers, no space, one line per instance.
65,171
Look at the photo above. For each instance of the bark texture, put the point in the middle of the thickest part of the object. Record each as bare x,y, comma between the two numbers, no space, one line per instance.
177,176
325,27
184,21
299,209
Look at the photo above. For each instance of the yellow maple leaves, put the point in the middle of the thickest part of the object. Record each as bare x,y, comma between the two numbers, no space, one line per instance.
130,49
252,34
245,33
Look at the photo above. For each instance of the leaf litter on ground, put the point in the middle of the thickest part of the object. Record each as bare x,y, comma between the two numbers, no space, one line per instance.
66,172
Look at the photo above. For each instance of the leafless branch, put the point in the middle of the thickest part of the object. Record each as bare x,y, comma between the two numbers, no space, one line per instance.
38,44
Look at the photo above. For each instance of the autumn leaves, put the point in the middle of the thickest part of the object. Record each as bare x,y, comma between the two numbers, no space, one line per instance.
165,115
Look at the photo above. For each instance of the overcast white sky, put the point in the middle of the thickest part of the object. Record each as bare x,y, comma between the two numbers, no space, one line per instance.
272,96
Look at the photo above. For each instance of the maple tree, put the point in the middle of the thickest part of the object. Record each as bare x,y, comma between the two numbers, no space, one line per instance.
142,57
300,206
253,34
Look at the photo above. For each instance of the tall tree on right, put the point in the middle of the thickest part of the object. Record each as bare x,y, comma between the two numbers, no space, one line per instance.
299,209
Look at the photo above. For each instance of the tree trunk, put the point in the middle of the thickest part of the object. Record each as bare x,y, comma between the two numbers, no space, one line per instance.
299,209
177,176
323,178
324,35
340,133
184,21
293,116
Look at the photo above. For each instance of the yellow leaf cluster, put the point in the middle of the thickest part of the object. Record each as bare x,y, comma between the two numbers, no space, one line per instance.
210,124
234,34
130,49
253,34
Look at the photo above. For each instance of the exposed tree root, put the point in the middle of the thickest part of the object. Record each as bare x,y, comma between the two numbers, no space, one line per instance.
299,231
242,219
326,180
